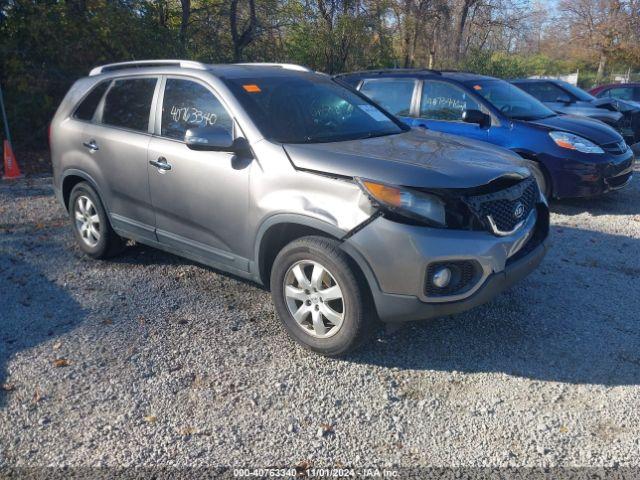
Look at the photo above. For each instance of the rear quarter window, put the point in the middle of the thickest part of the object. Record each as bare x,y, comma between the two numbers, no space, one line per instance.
87,107
128,103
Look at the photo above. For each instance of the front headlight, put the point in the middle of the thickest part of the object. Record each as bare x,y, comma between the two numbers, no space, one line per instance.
574,142
405,202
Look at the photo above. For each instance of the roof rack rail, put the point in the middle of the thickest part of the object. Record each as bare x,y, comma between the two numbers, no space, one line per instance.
147,63
450,70
287,66
381,71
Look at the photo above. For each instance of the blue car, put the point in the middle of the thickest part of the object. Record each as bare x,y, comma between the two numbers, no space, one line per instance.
570,156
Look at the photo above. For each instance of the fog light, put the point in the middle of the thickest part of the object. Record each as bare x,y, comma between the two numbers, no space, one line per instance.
441,277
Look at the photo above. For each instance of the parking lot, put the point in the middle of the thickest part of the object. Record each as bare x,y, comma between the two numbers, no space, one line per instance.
148,359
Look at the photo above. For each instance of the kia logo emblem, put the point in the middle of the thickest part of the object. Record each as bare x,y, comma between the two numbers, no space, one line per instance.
518,210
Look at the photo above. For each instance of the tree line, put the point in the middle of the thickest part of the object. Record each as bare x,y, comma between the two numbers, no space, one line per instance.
45,45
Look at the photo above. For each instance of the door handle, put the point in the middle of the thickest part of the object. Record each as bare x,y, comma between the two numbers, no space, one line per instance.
91,145
161,164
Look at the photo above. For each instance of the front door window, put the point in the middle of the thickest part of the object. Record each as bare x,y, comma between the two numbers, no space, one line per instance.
187,105
443,101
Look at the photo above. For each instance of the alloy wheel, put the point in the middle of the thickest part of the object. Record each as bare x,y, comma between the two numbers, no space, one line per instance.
314,298
87,221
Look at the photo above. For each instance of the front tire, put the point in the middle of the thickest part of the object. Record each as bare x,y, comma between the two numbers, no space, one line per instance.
319,296
90,223
543,182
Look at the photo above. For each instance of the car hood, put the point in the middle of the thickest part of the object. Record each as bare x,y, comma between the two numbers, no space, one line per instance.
589,128
416,158
587,110
622,106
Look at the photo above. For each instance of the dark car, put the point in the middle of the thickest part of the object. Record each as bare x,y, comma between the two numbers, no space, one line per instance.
562,97
571,156
622,91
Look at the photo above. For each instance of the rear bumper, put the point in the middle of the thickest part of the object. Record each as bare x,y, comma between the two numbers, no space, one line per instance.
573,179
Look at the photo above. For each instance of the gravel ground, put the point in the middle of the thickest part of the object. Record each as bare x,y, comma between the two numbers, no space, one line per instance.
148,360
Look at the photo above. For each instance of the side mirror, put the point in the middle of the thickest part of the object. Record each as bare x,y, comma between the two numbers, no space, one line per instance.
476,116
242,148
564,99
216,139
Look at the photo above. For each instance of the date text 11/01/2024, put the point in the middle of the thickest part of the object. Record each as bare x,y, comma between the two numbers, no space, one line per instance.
312,472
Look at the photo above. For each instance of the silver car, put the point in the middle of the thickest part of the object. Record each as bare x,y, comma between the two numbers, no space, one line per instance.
284,177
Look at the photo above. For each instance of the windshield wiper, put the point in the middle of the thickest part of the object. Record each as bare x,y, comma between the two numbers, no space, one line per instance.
529,118
345,138
373,135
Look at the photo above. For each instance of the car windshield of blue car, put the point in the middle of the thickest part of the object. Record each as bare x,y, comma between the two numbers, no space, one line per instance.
510,100
310,109
577,92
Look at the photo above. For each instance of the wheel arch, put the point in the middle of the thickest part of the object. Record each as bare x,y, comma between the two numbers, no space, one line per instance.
279,230
70,179
532,156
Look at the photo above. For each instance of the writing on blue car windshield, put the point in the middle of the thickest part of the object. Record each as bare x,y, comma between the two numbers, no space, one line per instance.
510,100
310,110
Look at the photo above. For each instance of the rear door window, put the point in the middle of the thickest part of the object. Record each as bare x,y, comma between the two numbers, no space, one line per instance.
188,104
87,107
128,103
394,94
443,101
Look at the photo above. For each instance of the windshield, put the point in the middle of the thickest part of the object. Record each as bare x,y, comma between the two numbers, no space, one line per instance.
310,109
577,91
510,100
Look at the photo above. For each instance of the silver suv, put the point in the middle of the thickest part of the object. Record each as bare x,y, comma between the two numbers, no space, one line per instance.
282,176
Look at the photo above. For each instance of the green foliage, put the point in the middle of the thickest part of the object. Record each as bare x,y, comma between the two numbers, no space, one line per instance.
46,45
346,43
503,65
494,64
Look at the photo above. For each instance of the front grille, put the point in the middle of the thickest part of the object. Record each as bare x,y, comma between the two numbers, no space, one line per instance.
540,233
629,127
463,272
616,148
506,208
635,127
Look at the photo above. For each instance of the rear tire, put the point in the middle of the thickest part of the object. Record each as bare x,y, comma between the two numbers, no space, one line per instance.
91,225
319,297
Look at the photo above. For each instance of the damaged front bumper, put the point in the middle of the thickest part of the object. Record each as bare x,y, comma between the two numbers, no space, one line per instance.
396,260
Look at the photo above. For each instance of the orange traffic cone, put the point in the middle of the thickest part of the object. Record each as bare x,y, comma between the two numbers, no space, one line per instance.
11,169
